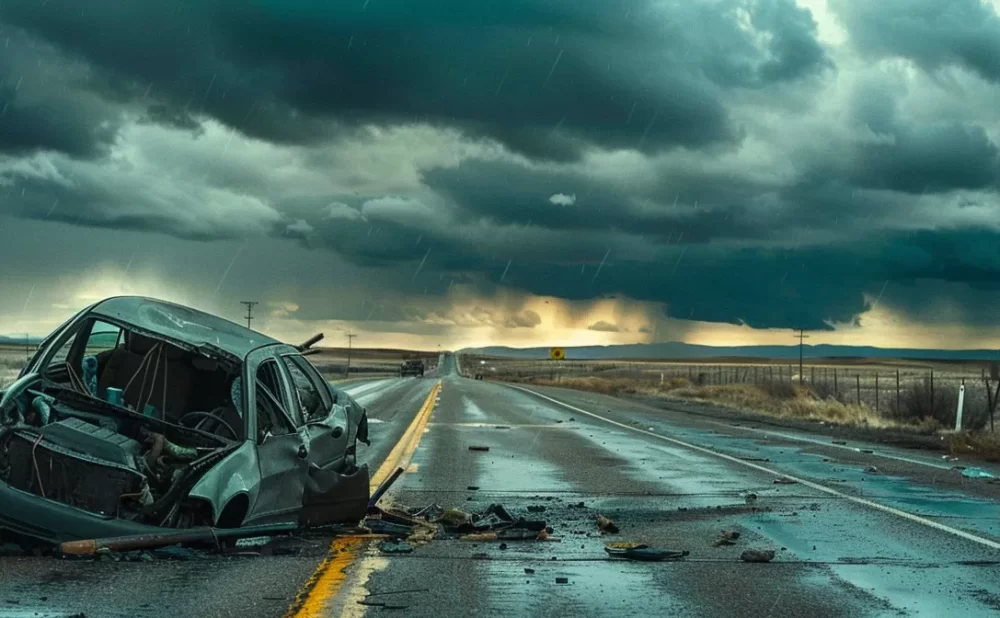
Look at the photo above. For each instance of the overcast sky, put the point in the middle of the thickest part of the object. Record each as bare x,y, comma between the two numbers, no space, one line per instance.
523,172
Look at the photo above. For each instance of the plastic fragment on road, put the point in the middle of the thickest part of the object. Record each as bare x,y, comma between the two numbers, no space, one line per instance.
396,547
977,473
784,481
757,555
562,580
605,525
482,449
643,553
872,470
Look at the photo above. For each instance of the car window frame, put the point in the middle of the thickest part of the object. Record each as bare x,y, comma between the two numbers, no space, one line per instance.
279,398
314,378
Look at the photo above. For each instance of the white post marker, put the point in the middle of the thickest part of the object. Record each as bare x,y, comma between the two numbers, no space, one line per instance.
961,404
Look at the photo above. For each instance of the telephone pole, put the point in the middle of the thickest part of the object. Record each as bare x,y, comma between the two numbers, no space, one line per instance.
802,336
250,304
350,339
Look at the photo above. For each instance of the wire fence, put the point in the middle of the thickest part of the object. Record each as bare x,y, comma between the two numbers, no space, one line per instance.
900,392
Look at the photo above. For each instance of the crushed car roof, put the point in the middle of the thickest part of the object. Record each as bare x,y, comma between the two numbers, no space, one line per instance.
182,323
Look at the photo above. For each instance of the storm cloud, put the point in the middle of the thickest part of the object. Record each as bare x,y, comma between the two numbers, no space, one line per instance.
718,158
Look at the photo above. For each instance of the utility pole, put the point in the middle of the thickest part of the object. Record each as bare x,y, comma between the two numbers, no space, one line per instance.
250,304
350,339
802,336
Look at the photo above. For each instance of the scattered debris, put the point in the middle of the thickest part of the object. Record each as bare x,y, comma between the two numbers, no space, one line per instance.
536,508
757,555
763,459
572,420
643,553
529,571
784,481
750,498
482,449
562,580
728,537
841,442
473,487
872,470
578,505
396,547
503,546
606,525
949,458
977,473
867,451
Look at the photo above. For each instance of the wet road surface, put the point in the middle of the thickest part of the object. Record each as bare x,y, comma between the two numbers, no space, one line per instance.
909,538
887,542
215,586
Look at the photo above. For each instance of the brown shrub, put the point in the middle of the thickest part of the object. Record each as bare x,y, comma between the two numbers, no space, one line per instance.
985,444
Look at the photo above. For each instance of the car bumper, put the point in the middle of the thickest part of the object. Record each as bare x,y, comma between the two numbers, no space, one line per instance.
53,522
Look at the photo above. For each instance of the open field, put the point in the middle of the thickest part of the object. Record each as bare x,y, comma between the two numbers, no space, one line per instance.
893,395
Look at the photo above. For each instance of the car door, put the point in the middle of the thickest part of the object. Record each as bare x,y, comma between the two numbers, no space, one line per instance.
282,447
325,422
337,491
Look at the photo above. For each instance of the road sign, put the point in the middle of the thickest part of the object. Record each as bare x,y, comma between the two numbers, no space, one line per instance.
557,354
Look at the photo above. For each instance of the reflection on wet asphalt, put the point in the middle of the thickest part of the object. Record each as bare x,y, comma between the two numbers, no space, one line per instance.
834,557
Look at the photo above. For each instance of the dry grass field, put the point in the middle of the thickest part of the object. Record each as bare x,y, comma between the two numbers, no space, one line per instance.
874,393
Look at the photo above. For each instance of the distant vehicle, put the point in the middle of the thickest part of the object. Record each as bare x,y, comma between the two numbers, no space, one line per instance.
138,415
412,367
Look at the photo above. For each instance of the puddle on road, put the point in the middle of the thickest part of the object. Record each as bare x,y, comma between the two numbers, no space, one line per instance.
473,412
955,509
593,589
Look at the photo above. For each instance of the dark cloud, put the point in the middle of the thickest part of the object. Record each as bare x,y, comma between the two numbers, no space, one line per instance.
44,104
931,33
546,78
605,327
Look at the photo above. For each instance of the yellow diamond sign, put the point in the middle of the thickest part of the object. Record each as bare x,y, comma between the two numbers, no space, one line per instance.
557,354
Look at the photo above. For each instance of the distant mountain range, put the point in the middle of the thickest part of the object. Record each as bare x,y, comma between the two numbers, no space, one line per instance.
687,351
15,340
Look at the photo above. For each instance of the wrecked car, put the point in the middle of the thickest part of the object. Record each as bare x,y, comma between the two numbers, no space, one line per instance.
138,415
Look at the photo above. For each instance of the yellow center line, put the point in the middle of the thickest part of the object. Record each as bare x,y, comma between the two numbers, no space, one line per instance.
329,576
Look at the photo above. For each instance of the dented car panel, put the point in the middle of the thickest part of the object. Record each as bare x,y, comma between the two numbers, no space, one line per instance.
236,475
146,415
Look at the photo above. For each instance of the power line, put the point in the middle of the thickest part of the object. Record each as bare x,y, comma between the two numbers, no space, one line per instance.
802,336
350,339
250,305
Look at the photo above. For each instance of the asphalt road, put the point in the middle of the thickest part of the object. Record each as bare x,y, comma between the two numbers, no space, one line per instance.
241,586
905,539
909,538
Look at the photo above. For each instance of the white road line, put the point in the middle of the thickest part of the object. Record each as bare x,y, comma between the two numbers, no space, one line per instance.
853,449
823,488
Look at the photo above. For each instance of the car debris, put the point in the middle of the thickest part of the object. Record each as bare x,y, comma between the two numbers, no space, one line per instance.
757,555
784,481
483,449
396,547
728,537
872,470
643,553
605,525
562,580
142,417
